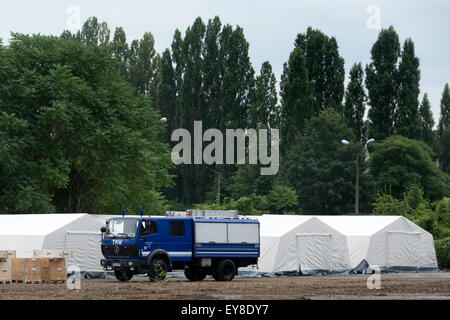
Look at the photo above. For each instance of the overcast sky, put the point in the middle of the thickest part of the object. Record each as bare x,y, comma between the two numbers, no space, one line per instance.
269,26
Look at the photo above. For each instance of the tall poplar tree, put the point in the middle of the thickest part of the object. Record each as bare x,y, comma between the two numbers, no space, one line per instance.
120,51
407,121
264,112
296,97
444,131
426,121
381,83
325,69
355,102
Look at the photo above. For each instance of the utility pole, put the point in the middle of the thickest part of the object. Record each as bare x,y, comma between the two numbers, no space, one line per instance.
358,146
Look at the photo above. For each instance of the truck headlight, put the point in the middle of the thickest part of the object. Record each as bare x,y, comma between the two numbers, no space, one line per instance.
130,263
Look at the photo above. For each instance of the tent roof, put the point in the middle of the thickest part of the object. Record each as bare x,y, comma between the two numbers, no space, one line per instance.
35,224
348,225
358,225
273,225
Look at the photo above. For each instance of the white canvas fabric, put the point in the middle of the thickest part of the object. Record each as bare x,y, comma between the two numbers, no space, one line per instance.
336,243
300,243
385,241
79,233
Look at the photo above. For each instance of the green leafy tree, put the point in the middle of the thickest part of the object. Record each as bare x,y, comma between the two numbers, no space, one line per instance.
407,121
83,142
322,170
265,112
426,121
398,162
283,198
382,83
386,204
443,212
212,68
325,69
296,98
443,131
355,101
120,51
94,33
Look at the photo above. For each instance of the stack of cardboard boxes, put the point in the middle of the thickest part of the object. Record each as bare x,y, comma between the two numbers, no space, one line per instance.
6,258
44,266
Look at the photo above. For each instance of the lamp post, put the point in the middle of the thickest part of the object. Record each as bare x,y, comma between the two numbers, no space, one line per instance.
218,183
358,147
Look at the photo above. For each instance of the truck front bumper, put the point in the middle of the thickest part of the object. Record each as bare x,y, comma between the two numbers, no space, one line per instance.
120,264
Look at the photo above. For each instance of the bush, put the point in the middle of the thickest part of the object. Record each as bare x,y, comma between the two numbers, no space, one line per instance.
386,204
443,252
443,212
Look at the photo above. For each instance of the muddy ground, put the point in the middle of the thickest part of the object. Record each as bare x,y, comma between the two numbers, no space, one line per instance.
393,286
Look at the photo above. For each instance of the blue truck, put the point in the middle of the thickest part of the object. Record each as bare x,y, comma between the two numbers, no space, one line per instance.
199,246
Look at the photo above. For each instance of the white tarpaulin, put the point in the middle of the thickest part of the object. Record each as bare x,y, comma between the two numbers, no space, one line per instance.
300,243
385,241
338,243
79,233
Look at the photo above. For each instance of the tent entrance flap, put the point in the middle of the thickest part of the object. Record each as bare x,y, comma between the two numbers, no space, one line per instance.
85,247
314,251
403,249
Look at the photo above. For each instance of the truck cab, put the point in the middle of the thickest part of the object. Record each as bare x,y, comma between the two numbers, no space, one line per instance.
198,246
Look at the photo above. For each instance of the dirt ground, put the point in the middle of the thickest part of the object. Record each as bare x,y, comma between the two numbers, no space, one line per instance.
393,286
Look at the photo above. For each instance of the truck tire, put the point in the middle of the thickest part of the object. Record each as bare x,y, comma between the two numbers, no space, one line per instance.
158,269
123,275
195,275
225,270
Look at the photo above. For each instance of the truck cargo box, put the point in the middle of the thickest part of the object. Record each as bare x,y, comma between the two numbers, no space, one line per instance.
231,237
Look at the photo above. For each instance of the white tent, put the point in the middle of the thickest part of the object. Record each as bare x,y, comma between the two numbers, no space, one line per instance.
390,242
79,233
338,243
300,243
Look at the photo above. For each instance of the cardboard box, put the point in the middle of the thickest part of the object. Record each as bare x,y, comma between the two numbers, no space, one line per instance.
59,274
52,254
7,254
57,263
33,269
18,269
5,273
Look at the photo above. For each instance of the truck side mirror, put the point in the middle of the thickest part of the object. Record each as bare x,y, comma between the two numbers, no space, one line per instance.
103,229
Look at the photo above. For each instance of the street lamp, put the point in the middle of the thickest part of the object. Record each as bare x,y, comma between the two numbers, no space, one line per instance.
358,147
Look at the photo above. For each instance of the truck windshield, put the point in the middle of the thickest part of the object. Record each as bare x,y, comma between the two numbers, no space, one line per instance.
125,228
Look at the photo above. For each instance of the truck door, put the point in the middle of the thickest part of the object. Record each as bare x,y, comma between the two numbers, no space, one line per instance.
179,246
148,237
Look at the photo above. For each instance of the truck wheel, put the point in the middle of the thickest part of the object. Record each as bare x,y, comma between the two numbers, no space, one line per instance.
123,275
158,269
224,270
194,275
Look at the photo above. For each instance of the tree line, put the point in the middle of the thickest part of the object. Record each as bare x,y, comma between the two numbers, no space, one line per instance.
81,125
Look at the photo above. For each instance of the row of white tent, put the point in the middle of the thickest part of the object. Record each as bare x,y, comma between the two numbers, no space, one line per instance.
342,243
288,243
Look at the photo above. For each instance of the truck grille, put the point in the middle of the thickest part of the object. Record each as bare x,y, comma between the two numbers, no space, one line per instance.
120,250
